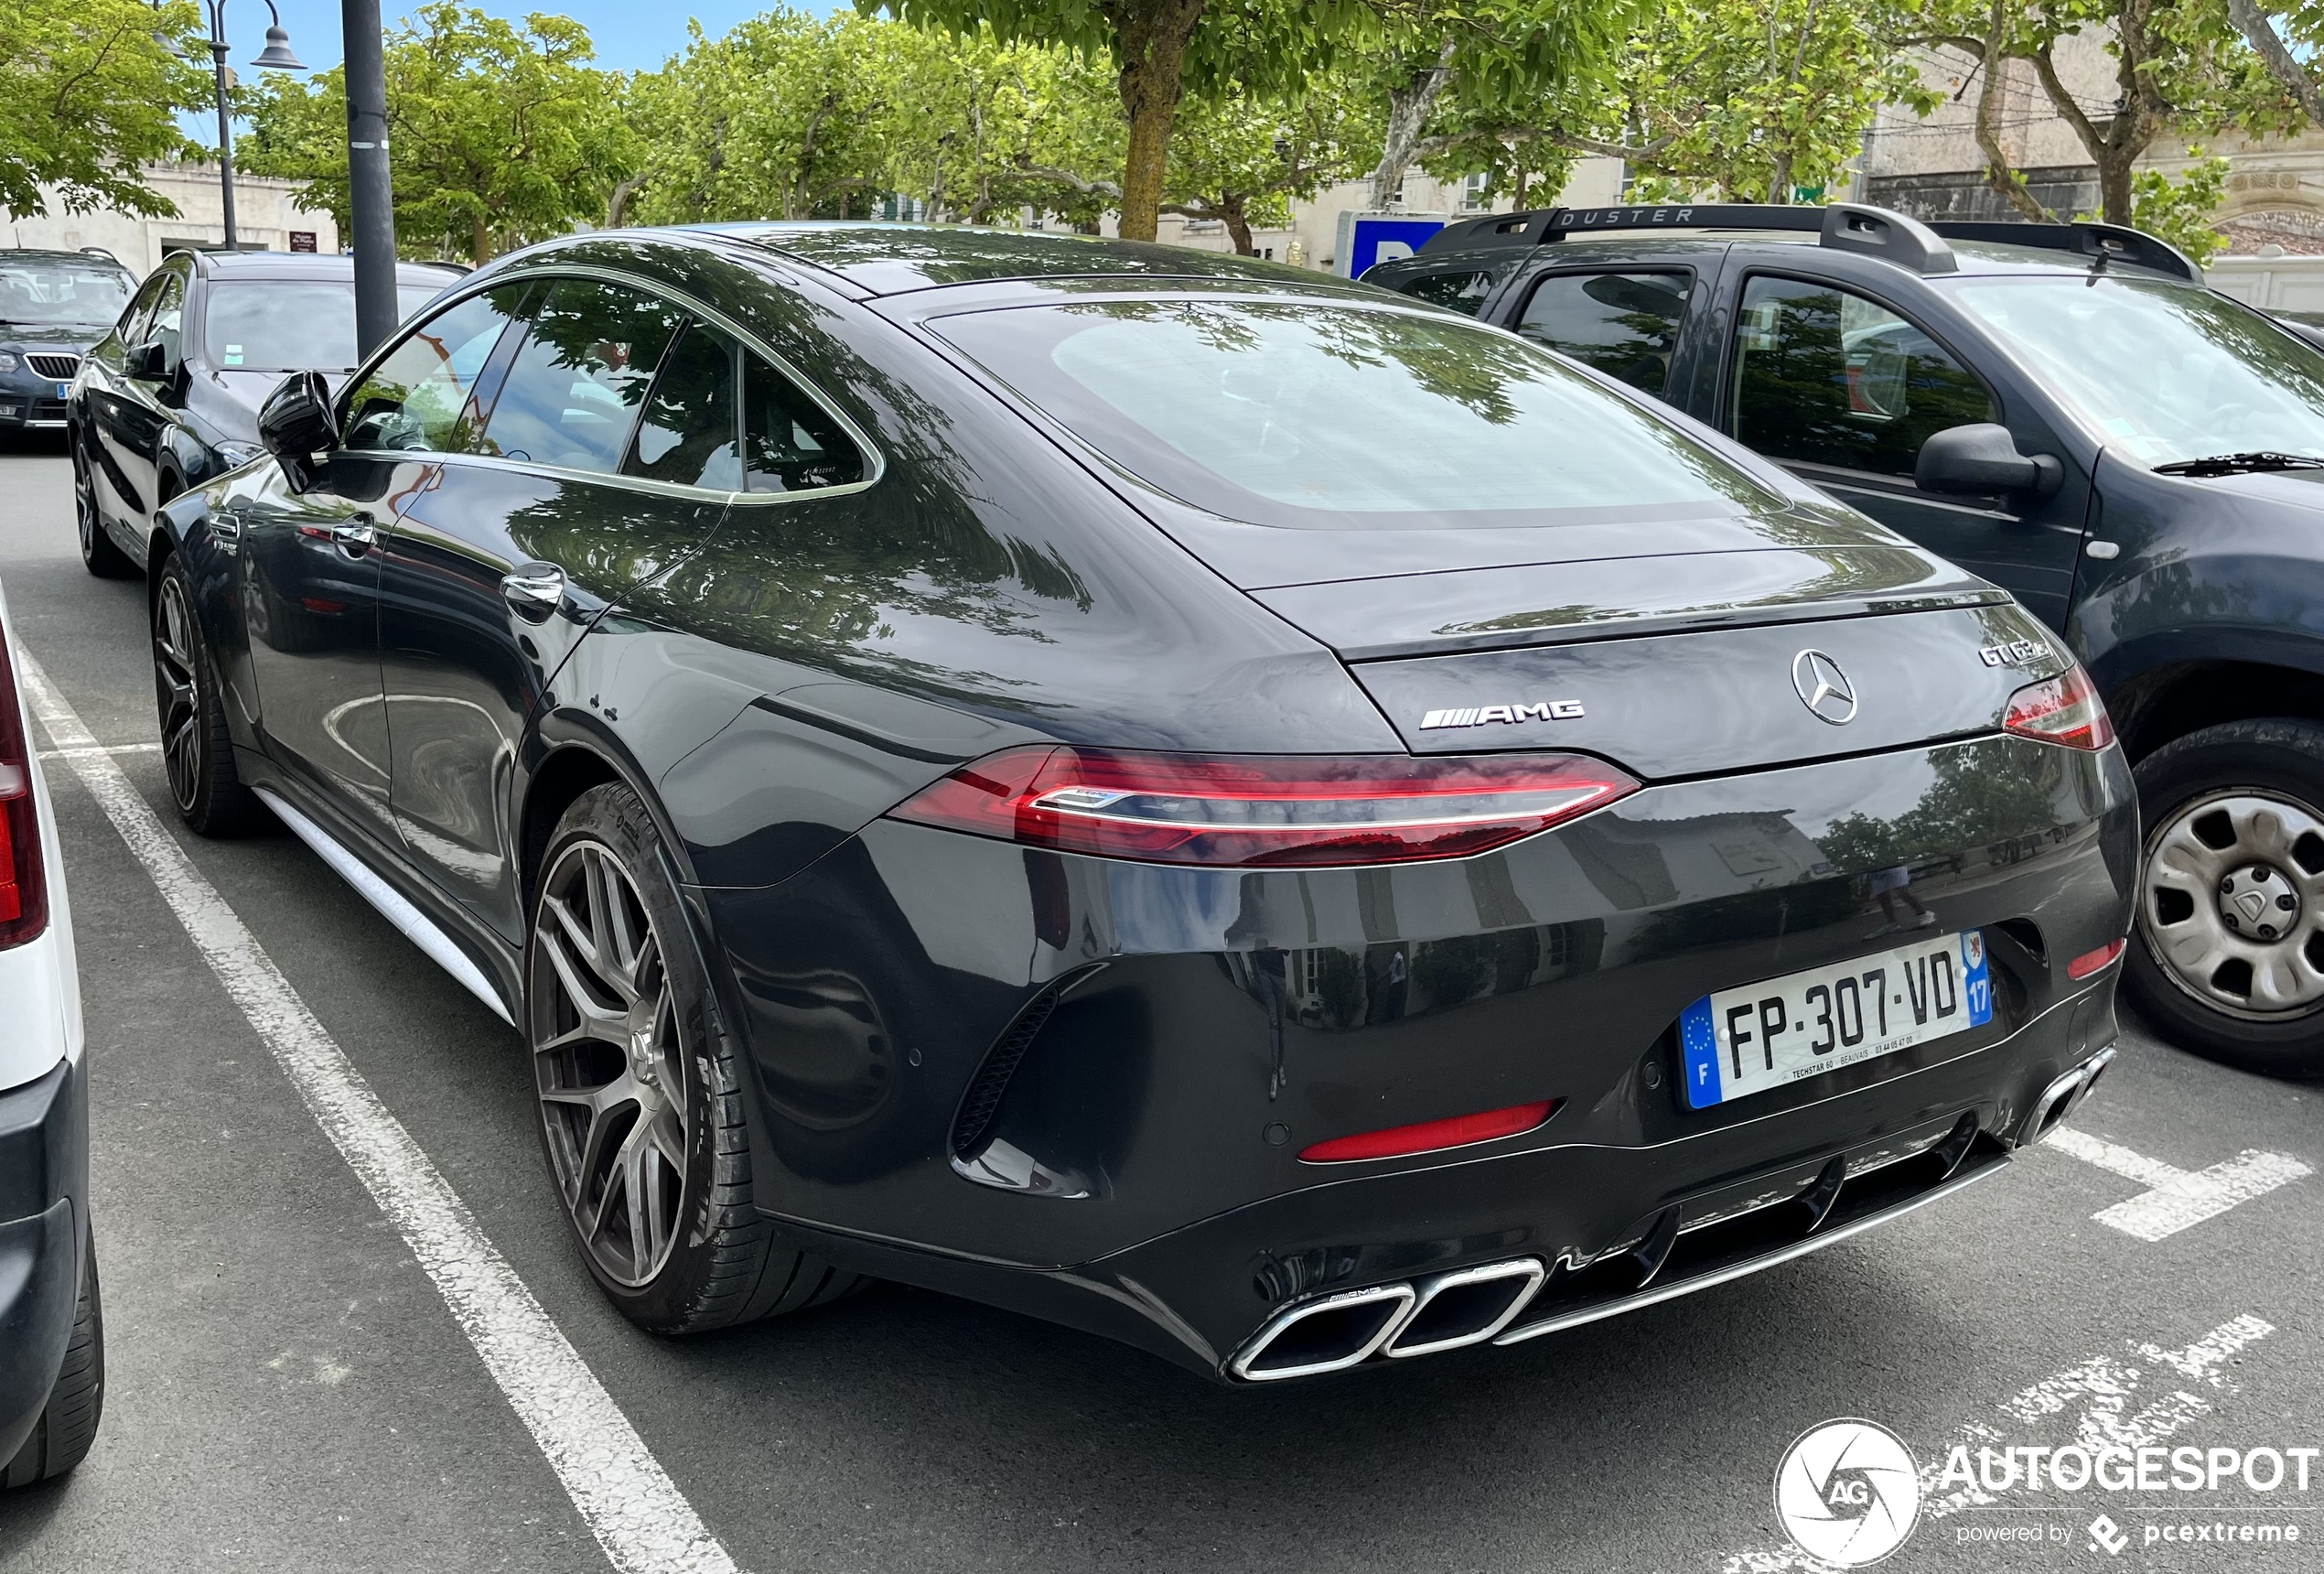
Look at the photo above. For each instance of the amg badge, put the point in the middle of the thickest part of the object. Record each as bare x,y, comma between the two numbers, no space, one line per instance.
1477,716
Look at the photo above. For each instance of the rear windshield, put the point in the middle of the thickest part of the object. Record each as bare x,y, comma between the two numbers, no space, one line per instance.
1338,417
283,325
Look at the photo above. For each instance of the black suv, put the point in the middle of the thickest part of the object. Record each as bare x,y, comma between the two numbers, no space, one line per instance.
2065,410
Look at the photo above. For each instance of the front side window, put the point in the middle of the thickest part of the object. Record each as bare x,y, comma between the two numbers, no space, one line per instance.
575,385
1625,325
284,325
2164,373
1463,291
418,397
1822,376
168,326
1340,417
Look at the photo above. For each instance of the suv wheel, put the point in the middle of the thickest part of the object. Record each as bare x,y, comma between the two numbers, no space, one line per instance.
2230,955
68,1425
196,747
641,1102
103,559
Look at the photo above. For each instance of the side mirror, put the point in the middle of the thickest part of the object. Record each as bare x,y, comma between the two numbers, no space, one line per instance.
1982,460
297,425
149,362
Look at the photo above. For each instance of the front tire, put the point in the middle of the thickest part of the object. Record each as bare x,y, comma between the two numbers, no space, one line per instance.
197,749
98,553
67,1426
641,1102
2229,956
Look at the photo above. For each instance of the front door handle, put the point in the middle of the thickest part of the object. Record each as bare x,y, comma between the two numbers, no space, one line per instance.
355,534
533,590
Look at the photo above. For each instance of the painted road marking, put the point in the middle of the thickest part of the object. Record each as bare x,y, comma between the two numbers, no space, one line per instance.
79,751
2093,1396
635,1510
2175,1197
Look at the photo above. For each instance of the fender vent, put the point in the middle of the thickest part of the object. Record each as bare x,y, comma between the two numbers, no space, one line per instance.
984,1097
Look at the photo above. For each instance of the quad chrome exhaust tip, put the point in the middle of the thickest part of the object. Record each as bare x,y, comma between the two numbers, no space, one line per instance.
1441,1311
1468,1306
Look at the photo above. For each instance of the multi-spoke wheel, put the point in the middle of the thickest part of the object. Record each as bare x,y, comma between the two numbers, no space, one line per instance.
103,559
198,751
2231,895
607,1064
641,1118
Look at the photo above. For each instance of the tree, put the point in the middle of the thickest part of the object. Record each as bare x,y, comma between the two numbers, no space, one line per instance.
89,91
1240,158
501,133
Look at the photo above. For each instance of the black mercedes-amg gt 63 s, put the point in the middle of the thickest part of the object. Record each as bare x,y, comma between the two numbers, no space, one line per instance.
1223,808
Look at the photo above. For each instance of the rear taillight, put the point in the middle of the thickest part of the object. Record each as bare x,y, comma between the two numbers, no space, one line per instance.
2065,709
1238,811
24,893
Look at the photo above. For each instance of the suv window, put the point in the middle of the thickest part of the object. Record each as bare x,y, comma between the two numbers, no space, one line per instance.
139,319
418,397
1625,325
1463,290
1824,376
574,386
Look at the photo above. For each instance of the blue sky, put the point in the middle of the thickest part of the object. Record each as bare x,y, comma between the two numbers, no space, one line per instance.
629,36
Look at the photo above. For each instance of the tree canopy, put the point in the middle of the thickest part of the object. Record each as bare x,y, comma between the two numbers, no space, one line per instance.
89,91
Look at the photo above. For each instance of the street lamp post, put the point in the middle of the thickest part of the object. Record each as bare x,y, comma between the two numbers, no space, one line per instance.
371,190
275,56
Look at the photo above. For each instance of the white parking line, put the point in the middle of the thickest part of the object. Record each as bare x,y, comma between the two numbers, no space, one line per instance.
630,1504
79,751
2176,1198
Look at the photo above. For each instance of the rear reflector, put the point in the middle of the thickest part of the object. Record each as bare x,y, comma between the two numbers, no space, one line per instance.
1240,811
23,892
1429,1134
2065,709
2089,962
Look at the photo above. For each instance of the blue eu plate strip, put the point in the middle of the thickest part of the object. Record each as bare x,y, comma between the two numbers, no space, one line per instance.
1976,982
1699,1052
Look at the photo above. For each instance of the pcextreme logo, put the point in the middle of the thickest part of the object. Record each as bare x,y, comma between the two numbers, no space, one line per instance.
1847,1492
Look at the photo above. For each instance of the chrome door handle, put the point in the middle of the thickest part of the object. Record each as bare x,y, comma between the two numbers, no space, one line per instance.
533,589
354,535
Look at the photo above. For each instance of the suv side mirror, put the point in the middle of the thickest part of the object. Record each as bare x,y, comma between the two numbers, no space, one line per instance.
297,425
149,362
1982,460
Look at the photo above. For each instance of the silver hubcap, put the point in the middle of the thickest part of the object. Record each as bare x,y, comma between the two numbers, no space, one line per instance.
2234,890
175,694
609,1064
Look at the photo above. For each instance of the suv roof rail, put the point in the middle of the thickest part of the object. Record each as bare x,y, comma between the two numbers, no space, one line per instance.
1844,226
2106,243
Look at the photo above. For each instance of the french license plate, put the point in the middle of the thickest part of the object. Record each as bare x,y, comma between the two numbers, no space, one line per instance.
1742,1042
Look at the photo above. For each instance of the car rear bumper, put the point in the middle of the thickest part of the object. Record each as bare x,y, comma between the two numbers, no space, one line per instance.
44,1165
1080,1088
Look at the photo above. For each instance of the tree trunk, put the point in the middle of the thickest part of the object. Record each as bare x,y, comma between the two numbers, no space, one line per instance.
1998,172
1408,111
616,207
479,242
1230,208
2117,150
1150,40
2258,29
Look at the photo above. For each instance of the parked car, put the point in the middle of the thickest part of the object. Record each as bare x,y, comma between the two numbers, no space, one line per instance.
1165,792
169,396
53,307
2065,410
52,1331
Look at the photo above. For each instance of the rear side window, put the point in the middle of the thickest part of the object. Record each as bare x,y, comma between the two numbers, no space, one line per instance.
690,434
418,397
790,442
1625,325
574,389
1824,376
1463,290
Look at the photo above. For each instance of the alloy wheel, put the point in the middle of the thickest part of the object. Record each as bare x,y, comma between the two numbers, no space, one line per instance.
174,692
84,501
609,1064
2233,903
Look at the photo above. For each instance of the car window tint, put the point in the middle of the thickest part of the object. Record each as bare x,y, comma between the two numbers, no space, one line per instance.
691,432
289,325
137,321
1824,376
790,442
417,398
169,320
574,386
1463,291
1625,325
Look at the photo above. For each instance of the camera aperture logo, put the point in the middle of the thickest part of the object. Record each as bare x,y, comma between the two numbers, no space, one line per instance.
1847,1492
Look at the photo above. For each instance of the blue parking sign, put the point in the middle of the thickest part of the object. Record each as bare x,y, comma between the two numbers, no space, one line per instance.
1377,239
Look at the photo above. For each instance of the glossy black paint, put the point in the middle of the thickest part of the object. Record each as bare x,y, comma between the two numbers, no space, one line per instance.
2207,613
44,1215
774,673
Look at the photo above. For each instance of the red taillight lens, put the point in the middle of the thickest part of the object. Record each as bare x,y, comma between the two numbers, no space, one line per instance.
1260,810
1430,1135
2090,962
2064,710
24,894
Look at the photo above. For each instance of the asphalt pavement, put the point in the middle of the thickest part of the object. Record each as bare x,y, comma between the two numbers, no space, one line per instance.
289,1389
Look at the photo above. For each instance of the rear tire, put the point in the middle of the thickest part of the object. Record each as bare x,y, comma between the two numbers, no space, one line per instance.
198,751
98,553
632,1078
67,1426
2234,818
